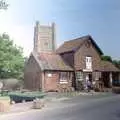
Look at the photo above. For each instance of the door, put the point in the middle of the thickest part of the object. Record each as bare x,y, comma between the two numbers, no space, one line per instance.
88,76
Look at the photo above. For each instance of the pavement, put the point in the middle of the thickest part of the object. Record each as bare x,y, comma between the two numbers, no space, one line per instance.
100,107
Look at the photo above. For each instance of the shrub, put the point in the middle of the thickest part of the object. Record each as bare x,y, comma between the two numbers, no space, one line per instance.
11,84
26,96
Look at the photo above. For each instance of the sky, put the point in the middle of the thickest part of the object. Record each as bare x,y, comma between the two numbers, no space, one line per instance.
73,18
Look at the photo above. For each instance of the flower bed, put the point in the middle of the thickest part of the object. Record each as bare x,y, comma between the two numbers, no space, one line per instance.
26,96
4,104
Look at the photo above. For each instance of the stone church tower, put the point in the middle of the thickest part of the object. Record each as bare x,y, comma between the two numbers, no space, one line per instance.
44,38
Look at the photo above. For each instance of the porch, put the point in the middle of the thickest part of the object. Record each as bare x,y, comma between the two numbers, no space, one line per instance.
101,81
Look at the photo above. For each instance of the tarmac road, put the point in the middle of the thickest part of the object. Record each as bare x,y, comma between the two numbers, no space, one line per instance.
78,108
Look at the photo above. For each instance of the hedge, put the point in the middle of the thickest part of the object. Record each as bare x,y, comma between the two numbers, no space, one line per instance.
26,96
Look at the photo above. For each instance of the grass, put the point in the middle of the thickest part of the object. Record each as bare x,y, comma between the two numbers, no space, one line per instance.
4,97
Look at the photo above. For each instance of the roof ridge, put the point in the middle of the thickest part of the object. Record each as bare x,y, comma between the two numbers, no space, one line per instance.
86,36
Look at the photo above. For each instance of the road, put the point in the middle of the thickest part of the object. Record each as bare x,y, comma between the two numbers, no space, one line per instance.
78,108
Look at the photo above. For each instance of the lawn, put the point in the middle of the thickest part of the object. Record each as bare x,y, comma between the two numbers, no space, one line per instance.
4,97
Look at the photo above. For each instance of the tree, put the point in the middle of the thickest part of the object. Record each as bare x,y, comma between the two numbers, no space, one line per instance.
3,4
11,58
116,63
106,58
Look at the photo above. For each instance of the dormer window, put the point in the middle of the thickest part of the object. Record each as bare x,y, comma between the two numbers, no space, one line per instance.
88,61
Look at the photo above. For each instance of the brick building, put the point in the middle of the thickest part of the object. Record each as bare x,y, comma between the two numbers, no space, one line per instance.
73,63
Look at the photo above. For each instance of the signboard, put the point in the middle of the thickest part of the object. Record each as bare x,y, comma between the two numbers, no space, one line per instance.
1,85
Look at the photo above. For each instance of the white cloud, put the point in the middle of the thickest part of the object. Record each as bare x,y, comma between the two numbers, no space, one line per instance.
21,34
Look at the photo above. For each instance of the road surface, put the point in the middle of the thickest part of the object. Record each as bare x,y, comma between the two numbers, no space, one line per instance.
78,108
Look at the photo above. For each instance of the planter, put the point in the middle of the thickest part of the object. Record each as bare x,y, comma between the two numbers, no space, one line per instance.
38,104
4,105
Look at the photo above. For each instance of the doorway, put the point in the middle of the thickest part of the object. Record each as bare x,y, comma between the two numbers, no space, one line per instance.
106,79
88,76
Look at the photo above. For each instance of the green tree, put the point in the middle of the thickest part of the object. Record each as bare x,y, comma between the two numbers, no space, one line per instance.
106,58
3,4
11,58
116,63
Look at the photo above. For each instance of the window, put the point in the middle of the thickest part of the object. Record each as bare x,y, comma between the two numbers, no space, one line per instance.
96,75
88,61
63,77
79,76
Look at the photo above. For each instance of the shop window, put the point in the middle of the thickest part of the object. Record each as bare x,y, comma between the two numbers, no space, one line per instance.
79,76
63,77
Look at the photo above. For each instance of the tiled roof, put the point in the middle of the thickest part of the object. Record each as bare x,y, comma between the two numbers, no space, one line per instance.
74,44
52,61
108,66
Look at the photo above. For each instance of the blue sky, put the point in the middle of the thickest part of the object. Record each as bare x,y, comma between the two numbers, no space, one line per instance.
73,18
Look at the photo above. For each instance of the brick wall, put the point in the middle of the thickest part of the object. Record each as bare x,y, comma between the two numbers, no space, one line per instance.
53,83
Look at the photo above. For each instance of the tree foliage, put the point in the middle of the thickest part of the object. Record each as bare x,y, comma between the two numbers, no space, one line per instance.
3,4
11,58
109,58
116,63
106,58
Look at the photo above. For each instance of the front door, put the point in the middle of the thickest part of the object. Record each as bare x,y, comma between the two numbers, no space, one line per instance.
88,76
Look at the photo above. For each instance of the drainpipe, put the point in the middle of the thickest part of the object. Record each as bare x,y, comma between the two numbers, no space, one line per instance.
111,79
119,77
43,81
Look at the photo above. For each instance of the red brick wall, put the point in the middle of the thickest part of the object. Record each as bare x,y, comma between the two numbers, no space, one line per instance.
53,82
50,83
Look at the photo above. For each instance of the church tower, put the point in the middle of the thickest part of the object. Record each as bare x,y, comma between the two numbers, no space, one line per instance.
44,38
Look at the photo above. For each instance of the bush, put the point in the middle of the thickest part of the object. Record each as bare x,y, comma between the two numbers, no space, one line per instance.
11,84
26,96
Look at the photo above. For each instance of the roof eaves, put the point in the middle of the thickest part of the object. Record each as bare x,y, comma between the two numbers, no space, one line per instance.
38,61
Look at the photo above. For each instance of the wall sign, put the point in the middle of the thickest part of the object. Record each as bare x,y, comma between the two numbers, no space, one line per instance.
1,85
49,75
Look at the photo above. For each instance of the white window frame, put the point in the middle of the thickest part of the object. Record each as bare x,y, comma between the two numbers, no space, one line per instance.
63,79
88,63
97,75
